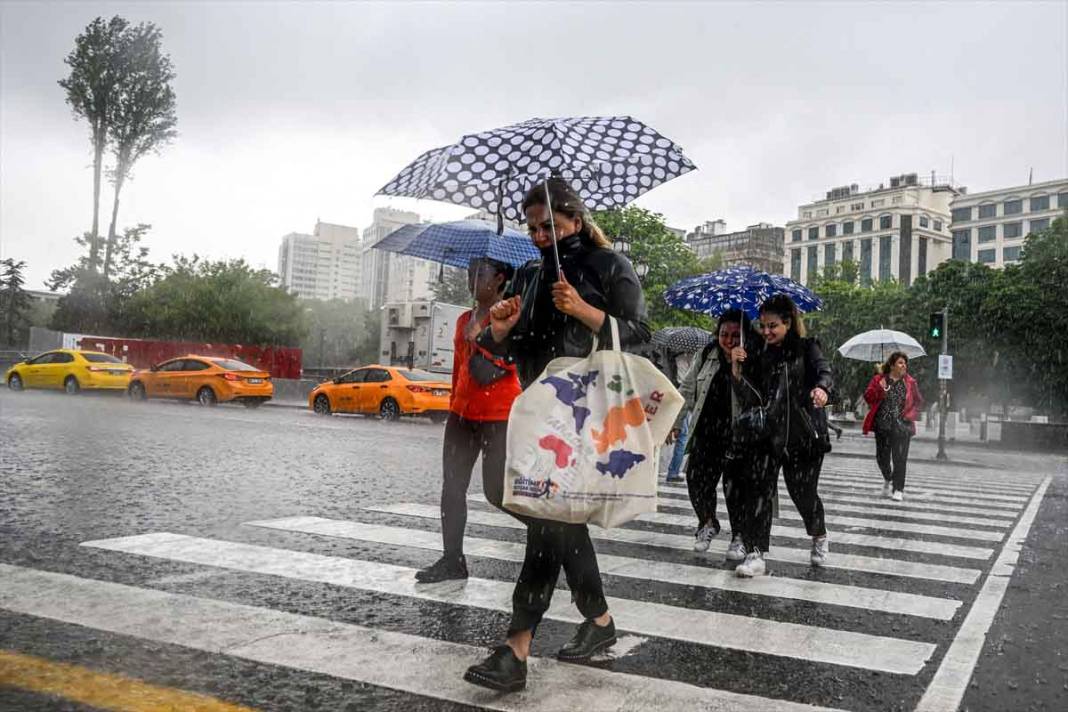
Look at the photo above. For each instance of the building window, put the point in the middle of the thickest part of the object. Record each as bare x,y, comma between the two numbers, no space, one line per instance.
1011,230
823,212
988,211
1011,254
806,214
1039,202
886,222
962,214
865,261
884,258
878,203
847,228
839,209
832,230
897,200
795,264
987,257
860,206
813,233
1012,207
813,263
847,251
1062,200
924,222
921,257
988,233
1038,225
962,245
865,225
938,226
796,235
828,255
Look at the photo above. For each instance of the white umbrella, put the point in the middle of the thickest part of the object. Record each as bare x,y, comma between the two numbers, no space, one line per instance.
878,344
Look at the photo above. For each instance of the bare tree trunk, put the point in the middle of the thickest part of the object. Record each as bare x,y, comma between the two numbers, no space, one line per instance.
120,177
99,139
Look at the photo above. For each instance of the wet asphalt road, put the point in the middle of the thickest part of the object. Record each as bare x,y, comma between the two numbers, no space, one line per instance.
96,467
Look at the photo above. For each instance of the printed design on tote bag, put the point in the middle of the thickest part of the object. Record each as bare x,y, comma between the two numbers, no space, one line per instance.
619,463
570,391
559,448
528,487
614,430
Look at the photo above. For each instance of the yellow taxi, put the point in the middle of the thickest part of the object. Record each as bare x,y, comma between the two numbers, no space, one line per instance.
387,391
207,379
70,370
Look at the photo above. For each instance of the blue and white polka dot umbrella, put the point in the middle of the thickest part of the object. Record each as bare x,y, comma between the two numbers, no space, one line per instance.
743,288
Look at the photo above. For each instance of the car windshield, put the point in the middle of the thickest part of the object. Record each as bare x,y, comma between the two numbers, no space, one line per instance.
100,358
420,376
231,364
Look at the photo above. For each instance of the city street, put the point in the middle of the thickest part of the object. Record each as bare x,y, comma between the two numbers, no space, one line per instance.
225,558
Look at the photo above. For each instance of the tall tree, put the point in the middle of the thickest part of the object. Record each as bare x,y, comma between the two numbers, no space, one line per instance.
452,287
92,88
143,113
14,301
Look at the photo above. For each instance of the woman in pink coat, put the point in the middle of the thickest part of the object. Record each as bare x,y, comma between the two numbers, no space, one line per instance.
895,402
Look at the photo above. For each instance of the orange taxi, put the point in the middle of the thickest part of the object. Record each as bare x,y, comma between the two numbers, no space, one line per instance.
70,370
387,391
207,379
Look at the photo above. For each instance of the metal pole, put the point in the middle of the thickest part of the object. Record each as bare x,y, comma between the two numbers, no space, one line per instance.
943,392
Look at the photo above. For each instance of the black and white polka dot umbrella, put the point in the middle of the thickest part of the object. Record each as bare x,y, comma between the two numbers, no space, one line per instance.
609,161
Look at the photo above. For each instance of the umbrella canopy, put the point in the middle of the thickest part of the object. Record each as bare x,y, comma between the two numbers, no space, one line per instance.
609,160
457,243
878,344
682,339
742,288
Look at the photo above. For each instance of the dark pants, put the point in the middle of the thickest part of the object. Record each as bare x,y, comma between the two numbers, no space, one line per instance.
801,470
754,486
709,463
464,441
892,454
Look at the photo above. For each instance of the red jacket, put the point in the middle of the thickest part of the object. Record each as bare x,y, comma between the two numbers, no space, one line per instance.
470,400
875,394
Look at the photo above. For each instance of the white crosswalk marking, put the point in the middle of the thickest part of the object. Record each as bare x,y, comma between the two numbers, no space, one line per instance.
832,481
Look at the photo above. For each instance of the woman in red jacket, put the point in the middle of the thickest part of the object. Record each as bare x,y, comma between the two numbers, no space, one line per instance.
895,401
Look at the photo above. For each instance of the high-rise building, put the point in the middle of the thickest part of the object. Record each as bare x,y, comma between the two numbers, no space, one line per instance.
898,230
323,265
389,277
758,246
990,227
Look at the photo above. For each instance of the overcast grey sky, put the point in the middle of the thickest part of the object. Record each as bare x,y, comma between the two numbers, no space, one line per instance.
289,112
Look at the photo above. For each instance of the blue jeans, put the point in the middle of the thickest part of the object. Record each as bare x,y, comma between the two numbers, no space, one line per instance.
680,448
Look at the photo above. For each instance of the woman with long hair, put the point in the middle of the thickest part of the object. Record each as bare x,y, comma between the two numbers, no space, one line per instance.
791,378
555,307
895,400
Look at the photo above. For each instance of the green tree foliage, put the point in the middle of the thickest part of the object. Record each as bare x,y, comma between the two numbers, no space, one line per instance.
224,301
452,287
336,332
15,303
368,350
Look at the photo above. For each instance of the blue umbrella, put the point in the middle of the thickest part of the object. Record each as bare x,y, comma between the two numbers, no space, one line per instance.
743,288
457,243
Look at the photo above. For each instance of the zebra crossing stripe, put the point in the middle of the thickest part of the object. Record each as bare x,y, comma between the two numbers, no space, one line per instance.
723,630
432,668
907,509
850,562
832,481
640,569
975,484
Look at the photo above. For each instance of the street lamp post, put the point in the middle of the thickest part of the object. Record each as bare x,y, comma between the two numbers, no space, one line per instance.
622,246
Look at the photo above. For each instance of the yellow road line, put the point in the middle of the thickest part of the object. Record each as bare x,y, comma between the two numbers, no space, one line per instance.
100,689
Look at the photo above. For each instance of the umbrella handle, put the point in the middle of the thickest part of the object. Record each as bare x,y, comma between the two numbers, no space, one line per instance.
552,226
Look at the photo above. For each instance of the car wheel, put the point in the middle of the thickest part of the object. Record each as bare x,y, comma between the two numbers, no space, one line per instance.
14,382
207,397
389,410
321,405
137,391
251,403
71,386
439,417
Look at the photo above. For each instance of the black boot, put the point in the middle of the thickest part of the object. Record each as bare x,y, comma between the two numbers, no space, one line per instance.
444,569
501,671
589,640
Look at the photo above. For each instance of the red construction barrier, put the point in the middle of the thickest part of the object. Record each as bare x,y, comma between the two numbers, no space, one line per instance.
279,361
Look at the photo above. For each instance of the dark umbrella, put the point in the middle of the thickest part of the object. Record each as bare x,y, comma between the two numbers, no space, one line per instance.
609,161
682,339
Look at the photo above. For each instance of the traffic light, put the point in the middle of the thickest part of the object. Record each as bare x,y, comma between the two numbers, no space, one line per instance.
938,325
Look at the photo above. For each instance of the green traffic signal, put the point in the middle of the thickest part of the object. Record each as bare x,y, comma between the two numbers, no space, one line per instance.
937,325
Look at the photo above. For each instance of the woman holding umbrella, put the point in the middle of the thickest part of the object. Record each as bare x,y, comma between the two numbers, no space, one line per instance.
895,402
555,307
792,380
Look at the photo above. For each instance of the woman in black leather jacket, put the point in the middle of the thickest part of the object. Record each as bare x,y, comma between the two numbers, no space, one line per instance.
792,379
550,311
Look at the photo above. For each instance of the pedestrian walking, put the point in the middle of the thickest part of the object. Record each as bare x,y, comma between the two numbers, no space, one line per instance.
682,363
555,309
896,402
706,386
788,382
483,388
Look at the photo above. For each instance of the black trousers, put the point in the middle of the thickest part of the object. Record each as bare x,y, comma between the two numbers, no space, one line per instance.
892,454
758,478
801,470
709,464
464,441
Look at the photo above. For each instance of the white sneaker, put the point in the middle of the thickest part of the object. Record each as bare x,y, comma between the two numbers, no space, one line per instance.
888,489
703,538
752,566
898,496
736,549
820,550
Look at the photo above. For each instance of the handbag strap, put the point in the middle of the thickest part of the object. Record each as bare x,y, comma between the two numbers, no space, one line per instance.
613,325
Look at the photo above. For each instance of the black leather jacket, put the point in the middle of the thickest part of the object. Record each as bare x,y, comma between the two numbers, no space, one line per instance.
603,278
